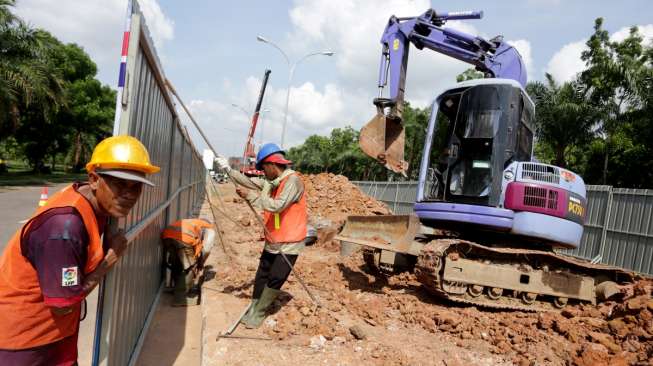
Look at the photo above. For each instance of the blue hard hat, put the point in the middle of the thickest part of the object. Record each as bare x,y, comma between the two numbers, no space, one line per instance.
265,151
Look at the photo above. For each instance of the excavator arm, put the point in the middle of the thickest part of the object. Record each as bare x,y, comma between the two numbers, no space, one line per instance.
383,138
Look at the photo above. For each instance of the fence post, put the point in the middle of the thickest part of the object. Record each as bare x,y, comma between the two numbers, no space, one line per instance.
394,206
604,232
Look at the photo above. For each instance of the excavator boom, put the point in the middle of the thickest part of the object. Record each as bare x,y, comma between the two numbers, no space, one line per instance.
383,137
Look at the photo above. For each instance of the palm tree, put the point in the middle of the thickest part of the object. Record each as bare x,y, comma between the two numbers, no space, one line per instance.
27,75
564,118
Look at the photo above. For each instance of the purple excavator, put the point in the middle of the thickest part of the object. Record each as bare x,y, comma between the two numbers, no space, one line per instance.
487,217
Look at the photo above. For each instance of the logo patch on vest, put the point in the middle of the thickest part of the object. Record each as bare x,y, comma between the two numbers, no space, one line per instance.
69,276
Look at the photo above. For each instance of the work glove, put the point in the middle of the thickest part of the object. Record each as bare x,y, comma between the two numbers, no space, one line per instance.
311,236
222,163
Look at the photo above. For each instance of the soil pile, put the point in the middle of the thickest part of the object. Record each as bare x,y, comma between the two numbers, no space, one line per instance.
613,333
334,197
377,320
330,199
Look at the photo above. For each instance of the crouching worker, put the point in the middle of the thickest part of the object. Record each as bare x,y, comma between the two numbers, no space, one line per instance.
188,243
281,196
58,257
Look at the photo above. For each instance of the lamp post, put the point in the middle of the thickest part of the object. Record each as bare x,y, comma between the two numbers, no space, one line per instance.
291,72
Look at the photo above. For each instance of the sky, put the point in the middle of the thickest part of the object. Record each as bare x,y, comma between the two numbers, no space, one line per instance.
209,51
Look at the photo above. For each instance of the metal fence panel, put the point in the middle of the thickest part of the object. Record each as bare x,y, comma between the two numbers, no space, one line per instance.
598,204
398,196
618,228
629,237
145,110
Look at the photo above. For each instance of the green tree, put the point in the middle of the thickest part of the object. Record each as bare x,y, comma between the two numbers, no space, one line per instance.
563,120
339,153
618,80
469,74
74,128
89,111
415,123
28,78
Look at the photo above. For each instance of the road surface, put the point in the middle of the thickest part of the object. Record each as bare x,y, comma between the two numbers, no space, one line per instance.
17,204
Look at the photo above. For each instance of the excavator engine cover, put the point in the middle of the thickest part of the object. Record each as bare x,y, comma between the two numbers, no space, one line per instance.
383,139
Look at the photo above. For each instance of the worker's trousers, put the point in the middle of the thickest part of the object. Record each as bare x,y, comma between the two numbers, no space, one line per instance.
181,259
272,272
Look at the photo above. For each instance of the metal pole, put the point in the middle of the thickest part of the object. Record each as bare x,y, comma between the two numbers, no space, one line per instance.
291,72
394,207
285,111
606,219
97,337
174,92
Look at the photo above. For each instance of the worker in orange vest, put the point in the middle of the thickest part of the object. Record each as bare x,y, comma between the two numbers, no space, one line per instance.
58,256
281,196
187,244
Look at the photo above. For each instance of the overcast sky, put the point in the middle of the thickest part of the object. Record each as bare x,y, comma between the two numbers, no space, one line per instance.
209,51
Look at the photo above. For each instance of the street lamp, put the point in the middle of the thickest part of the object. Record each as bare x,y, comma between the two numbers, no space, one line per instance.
291,72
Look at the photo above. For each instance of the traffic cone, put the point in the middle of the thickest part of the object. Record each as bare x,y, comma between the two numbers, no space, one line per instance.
44,197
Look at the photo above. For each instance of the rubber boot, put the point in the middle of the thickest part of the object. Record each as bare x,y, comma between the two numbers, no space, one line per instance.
258,312
183,286
249,313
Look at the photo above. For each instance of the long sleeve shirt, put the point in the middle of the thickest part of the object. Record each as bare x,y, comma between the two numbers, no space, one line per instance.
260,197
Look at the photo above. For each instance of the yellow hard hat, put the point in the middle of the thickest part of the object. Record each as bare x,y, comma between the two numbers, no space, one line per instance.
121,152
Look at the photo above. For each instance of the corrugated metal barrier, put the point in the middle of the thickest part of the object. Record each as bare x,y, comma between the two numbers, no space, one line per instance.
399,196
618,229
145,110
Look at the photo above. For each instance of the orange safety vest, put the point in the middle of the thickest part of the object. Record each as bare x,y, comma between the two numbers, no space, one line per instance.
25,320
187,231
289,225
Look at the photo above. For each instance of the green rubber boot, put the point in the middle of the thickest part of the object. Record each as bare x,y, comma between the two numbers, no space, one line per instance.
258,311
245,318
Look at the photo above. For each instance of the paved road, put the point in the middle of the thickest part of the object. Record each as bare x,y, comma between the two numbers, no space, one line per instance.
17,204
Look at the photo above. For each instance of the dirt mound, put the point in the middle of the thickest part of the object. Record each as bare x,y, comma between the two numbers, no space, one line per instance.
403,324
334,197
612,333
330,199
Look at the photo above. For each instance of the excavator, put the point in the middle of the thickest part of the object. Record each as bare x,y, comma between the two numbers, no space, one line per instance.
487,218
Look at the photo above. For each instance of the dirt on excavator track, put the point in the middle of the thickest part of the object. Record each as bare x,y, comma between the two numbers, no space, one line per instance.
394,320
437,253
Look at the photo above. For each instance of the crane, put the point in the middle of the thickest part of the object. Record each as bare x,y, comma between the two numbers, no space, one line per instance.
249,156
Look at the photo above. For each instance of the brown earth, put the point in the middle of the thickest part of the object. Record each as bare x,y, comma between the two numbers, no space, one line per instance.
394,321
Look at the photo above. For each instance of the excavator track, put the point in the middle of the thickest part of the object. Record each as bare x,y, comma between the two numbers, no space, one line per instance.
439,253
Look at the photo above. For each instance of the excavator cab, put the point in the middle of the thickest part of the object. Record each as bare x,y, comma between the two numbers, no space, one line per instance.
481,126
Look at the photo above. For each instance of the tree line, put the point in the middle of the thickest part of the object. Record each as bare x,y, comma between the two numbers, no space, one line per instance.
599,124
52,108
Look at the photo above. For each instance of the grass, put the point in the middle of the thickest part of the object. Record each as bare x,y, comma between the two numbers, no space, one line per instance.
20,175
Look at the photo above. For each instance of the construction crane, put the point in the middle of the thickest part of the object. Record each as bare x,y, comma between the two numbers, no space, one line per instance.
249,156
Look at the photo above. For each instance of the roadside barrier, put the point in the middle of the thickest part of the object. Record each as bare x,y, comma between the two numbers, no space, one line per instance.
128,295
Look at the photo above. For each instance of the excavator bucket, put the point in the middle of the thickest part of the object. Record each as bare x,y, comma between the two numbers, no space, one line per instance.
383,139
388,232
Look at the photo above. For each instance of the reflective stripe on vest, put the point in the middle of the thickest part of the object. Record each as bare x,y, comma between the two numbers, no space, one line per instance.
25,320
288,226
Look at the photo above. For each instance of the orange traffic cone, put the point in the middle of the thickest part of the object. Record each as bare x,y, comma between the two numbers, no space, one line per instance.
44,197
